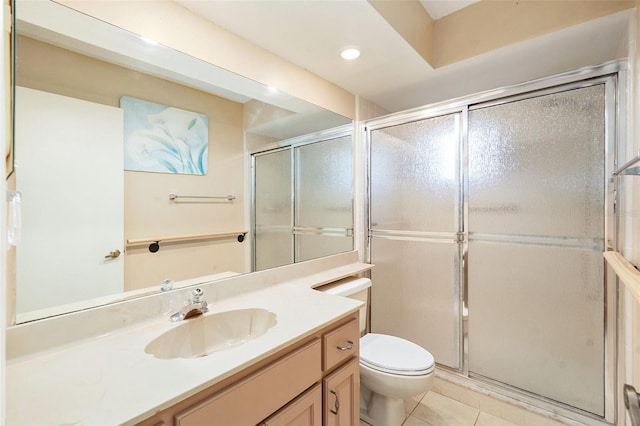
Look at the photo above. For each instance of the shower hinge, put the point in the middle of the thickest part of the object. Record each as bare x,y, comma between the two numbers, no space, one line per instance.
460,237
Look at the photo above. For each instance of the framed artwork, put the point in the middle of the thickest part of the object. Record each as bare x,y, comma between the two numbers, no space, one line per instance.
164,139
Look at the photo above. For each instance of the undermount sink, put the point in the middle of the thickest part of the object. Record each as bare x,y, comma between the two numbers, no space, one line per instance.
202,336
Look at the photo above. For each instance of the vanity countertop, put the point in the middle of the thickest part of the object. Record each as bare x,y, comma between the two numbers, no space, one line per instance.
109,380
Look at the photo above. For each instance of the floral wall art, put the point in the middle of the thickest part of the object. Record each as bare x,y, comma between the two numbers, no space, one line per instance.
164,139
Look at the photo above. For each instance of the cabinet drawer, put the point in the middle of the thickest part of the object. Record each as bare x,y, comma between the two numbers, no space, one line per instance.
257,396
306,410
341,344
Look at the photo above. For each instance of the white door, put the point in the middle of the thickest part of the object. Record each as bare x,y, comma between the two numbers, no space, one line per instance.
69,169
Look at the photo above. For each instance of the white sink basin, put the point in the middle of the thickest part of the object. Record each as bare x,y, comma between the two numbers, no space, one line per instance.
204,335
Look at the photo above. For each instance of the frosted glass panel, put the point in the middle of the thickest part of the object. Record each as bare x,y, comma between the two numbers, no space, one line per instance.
536,228
316,204
414,176
273,210
536,167
314,246
414,295
415,193
324,185
536,319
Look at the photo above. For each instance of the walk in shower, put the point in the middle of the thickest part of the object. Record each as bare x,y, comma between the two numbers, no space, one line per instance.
487,223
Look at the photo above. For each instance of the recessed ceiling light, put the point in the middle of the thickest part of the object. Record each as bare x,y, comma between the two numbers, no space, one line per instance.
350,53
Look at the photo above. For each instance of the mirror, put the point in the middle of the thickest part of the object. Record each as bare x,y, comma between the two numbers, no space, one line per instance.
79,68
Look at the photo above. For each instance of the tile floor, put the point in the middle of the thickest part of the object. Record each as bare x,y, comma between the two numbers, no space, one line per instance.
435,409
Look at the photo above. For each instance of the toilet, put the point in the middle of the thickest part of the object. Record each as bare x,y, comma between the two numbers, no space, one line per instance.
392,369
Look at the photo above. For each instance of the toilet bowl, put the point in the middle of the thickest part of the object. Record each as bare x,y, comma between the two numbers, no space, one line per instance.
392,369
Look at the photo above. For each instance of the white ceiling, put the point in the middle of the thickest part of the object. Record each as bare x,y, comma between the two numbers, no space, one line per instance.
390,73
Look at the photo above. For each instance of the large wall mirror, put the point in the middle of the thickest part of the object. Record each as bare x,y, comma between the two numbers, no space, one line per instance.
82,91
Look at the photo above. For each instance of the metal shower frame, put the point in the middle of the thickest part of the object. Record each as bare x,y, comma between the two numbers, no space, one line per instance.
614,77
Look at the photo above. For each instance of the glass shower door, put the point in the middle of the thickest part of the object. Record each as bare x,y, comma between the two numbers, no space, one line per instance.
273,209
536,236
303,200
323,198
415,205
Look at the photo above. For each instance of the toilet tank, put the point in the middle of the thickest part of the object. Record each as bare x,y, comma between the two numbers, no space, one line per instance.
353,288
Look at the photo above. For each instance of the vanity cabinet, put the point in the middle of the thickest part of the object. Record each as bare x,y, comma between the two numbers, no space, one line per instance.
342,395
340,344
255,397
306,410
313,382
341,386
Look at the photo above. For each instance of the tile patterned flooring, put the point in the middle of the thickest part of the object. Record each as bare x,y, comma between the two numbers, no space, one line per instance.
436,409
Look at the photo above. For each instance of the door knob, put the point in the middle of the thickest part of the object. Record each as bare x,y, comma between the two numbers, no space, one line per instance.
113,254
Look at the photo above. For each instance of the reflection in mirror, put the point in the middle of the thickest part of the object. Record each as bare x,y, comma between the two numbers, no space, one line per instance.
83,214
309,212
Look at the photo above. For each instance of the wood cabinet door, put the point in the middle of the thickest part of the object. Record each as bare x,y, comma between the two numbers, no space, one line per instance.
341,395
306,410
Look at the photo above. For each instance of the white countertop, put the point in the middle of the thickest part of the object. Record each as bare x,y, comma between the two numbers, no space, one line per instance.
110,380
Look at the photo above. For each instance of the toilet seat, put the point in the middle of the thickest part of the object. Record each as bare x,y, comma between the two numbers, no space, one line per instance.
395,355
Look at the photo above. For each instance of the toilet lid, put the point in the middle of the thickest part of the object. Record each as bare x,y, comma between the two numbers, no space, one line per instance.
395,355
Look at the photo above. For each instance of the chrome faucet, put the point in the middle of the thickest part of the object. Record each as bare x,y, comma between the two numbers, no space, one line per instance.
196,306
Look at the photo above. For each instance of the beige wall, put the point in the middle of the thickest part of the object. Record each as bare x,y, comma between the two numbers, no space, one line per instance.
411,21
148,212
489,25
486,25
172,25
